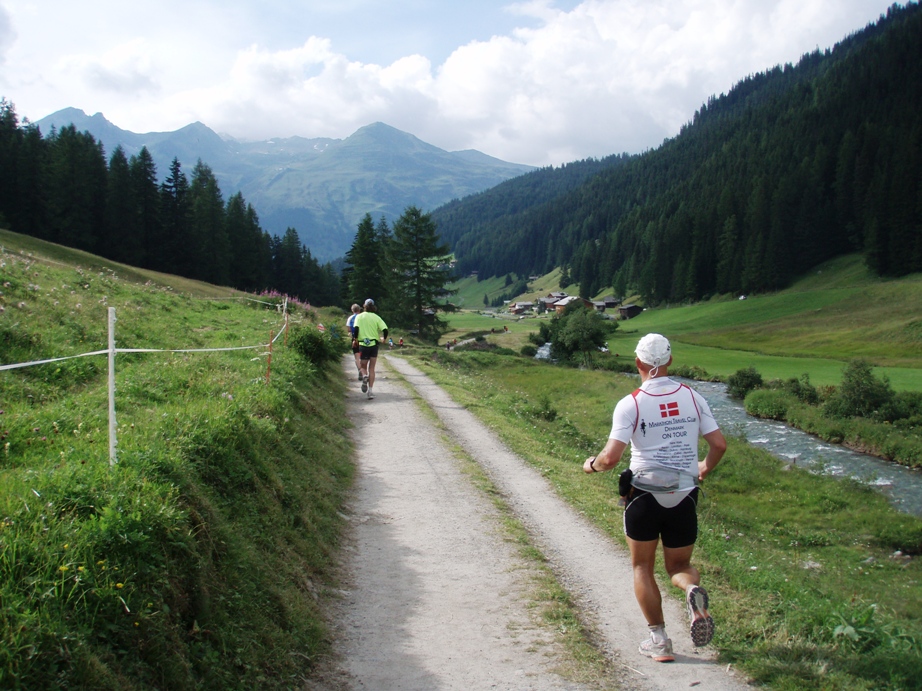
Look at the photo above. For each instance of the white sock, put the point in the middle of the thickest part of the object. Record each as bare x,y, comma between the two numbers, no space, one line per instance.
658,633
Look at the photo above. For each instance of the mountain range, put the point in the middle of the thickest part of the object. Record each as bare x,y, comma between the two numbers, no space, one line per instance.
321,187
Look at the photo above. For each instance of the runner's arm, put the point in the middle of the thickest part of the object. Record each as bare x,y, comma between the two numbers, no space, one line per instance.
717,445
607,459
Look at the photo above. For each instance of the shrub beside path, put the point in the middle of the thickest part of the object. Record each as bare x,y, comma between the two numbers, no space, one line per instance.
436,598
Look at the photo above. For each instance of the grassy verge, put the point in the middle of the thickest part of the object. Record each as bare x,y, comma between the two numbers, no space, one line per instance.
815,581
198,560
900,443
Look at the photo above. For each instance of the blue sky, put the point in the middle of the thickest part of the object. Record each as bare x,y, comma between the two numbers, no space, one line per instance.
541,82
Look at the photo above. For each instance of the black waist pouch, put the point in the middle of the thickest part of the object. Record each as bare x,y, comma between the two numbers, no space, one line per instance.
625,488
624,482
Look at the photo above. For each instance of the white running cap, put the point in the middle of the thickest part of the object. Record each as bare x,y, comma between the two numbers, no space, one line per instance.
654,350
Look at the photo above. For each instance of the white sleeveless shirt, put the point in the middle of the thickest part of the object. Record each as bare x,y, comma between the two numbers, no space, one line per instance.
662,420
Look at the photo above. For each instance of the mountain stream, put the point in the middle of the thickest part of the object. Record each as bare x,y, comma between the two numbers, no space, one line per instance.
901,485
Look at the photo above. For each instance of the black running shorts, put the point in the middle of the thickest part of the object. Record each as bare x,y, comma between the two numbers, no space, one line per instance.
368,352
645,520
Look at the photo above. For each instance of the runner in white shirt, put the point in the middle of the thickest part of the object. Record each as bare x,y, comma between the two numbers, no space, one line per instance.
356,351
662,421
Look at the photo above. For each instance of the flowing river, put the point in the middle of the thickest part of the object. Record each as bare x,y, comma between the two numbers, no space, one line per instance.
901,485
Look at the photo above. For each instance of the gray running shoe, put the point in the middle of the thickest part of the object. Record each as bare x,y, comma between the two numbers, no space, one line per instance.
370,394
702,626
660,652
365,383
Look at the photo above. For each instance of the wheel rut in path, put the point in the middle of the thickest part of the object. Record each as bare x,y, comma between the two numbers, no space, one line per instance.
436,598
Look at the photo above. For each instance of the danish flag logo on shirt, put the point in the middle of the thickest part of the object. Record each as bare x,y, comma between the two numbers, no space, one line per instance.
669,409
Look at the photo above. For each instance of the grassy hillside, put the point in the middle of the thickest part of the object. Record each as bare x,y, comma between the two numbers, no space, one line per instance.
471,291
837,312
197,561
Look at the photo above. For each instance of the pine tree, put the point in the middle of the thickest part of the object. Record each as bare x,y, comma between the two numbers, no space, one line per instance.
210,246
147,207
288,261
245,239
174,255
10,147
119,231
76,184
365,274
421,267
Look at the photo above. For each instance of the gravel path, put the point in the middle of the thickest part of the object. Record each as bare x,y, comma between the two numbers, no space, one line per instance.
436,598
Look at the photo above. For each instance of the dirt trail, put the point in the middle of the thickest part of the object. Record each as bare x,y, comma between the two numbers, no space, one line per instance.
435,597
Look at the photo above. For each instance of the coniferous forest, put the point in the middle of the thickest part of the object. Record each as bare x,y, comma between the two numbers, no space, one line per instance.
792,167
61,188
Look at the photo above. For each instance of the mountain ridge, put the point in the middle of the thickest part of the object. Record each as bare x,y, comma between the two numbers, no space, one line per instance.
321,187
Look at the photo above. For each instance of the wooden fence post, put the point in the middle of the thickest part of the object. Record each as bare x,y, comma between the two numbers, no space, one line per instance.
269,364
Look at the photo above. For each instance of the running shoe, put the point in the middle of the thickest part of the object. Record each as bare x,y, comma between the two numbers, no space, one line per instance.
365,383
660,652
702,626
370,394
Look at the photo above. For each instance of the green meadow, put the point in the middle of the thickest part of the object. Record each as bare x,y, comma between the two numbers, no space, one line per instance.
836,313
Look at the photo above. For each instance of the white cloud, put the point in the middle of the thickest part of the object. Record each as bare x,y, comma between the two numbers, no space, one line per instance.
125,69
599,77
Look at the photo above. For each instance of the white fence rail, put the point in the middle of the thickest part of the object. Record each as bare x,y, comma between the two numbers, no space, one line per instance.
112,350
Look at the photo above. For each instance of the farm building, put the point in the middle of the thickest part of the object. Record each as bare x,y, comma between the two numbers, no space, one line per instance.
629,311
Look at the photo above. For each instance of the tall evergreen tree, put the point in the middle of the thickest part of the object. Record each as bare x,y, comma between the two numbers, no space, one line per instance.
420,263
147,205
120,235
175,253
143,230
76,184
208,234
365,273
288,261
10,148
247,260
31,196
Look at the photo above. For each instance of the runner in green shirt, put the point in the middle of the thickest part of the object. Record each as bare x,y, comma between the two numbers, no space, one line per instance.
368,330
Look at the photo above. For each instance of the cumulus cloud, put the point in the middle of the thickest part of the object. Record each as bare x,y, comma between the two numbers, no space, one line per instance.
603,78
600,77
312,91
125,69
